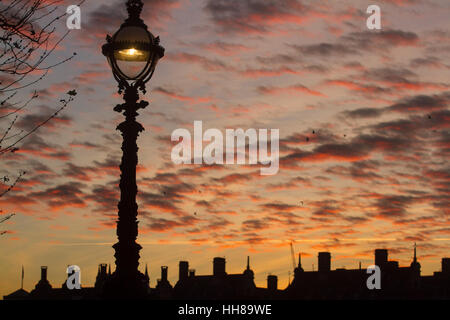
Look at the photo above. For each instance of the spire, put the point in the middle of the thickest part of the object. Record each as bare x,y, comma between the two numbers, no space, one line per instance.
146,271
415,253
299,267
415,264
248,272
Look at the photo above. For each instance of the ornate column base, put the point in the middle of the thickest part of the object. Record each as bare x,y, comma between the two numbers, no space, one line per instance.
120,287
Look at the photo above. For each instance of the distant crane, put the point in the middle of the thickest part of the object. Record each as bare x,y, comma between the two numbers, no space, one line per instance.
3,220
7,217
293,255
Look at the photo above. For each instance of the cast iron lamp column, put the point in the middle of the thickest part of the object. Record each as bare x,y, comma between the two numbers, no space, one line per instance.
132,53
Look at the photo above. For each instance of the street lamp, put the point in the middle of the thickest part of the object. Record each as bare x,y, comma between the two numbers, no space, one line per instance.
132,53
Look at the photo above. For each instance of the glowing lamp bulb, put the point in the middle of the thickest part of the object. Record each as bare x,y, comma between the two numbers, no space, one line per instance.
131,52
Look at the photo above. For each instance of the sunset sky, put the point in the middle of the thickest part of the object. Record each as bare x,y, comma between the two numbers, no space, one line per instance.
364,141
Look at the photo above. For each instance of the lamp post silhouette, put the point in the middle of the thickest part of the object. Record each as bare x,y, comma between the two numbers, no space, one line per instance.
132,53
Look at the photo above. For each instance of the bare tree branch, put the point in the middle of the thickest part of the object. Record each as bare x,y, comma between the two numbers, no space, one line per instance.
28,38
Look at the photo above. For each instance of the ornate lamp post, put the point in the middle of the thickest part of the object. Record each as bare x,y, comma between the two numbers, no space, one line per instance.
132,53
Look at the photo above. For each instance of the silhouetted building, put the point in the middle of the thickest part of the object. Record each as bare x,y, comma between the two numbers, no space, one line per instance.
325,283
219,285
18,295
396,282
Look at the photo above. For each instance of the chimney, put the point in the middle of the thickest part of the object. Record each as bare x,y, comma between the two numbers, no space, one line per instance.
446,265
164,273
103,267
324,261
192,273
381,257
44,273
219,266
183,270
272,283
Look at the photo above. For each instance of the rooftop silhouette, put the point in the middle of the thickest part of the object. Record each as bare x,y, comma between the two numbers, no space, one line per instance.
324,283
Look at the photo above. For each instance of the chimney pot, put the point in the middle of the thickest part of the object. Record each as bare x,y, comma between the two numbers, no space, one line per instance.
219,266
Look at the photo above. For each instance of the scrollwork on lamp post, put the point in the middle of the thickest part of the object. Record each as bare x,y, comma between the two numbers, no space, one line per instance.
133,53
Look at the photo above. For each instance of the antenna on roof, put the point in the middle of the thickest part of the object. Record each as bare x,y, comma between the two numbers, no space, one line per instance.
21,286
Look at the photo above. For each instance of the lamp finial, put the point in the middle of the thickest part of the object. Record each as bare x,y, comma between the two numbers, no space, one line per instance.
134,8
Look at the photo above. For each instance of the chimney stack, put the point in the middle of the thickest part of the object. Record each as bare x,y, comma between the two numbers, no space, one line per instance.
44,273
324,261
272,283
183,270
219,266
103,269
381,257
445,265
43,284
164,273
